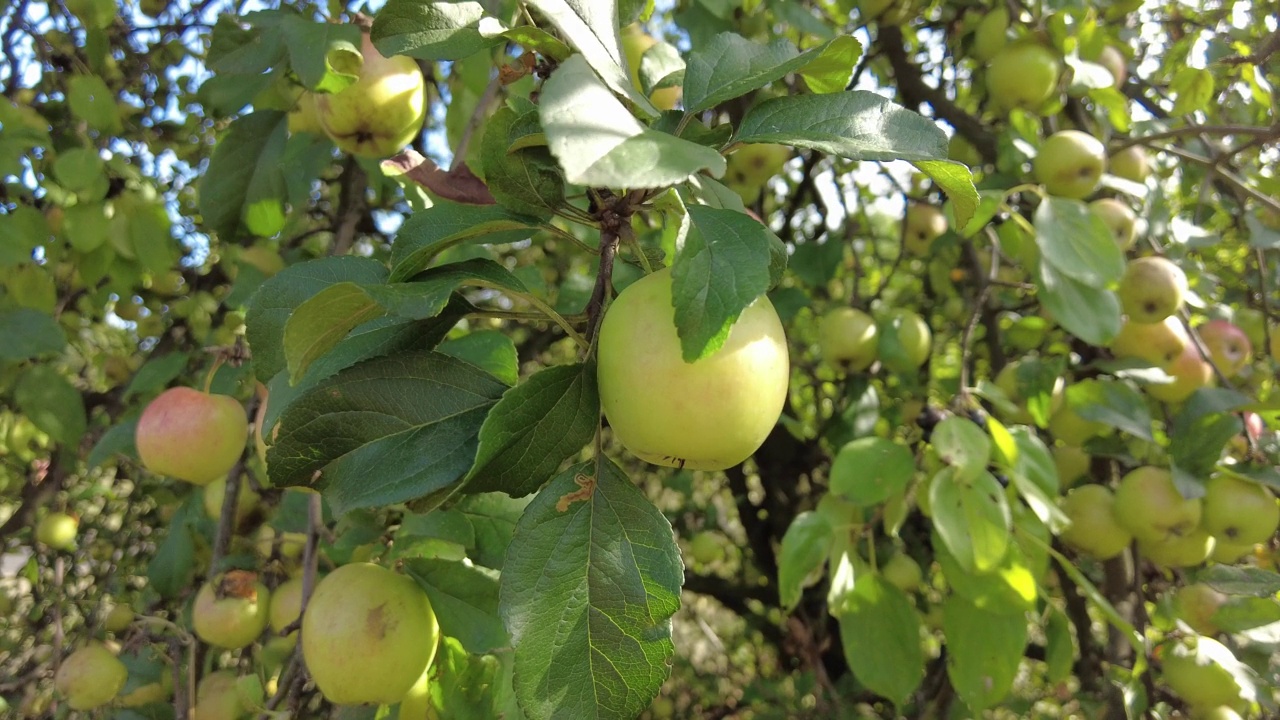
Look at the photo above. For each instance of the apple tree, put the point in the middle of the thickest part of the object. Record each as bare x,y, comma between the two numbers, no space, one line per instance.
618,359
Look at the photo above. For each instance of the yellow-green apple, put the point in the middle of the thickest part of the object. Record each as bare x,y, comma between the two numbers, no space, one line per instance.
705,548
1189,371
1175,551
231,611
1228,553
963,151
635,43
1157,343
382,111
1149,505
118,618
1071,462
1067,426
247,500
1118,218
848,338
1239,512
368,634
921,226
991,35
903,572
416,704
706,415
1070,164
914,337
1094,529
303,118
1115,62
1131,163
153,692
749,169
90,677
1195,605
286,606
1193,669
1023,75
1007,381
1151,289
57,530
1251,321
217,698
192,435
1229,348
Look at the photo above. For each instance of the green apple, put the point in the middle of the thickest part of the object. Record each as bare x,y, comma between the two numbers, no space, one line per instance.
903,572
750,167
991,35
1228,553
1157,343
192,435
1094,529
1115,62
1229,347
416,704
1023,75
635,43
1239,512
368,634
1178,551
57,530
382,111
1152,289
217,698
1070,164
914,337
1072,464
285,607
921,226
231,611
848,338
1131,163
303,118
90,677
705,548
1194,670
1118,218
1195,605
153,692
1189,371
1251,321
215,492
963,151
1008,382
1067,426
118,618
1149,505
710,414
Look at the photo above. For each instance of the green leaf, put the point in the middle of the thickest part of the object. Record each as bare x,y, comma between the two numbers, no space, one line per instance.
973,519
119,440
591,581
430,30
465,601
1059,651
858,124
244,181
493,518
1241,614
961,443
880,631
1193,90
1112,403
236,50
1240,580
722,268
490,350
52,403
275,301
534,428
462,686
537,40
526,181
731,66
171,569
1196,440
599,143
29,334
984,650
1090,313
311,51
77,168
1035,476
660,66
385,431
24,229
1077,242
156,374
956,181
870,470
804,549
1009,586
427,233
94,103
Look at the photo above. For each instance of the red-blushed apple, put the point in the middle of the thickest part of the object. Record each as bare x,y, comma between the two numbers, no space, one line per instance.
1189,371
1118,218
1157,343
90,677
231,611
368,634
1152,289
1070,163
706,415
1094,529
1131,163
382,111
1229,348
1023,75
192,435
921,226
848,339
1149,505
1239,512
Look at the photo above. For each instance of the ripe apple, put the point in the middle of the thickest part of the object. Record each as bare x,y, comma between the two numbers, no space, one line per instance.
848,338
705,549
367,635
303,118
1195,605
1239,512
382,111
750,167
1189,371
1186,550
57,531
903,572
1094,529
1071,462
1118,218
238,617
1131,163
416,704
1228,553
286,606
1070,164
707,415
914,337
635,43
1114,61
90,677
216,492
1194,672
1152,289
1150,506
1229,347
118,618
1023,75
1157,343
921,226
192,435
217,697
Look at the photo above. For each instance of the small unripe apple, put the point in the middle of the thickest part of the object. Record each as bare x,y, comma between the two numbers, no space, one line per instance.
1178,550
1070,164
90,677
1072,464
1228,553
903,572
1115,63
1152,289
1149,505
1158,343
1119,219
848,338
1007,381
1023,75
382,111
368,634
914,337
1195,605
57,530
118,618
706,415
238,617
1193,672
1131,163
635,43
1094,529
217,698
303,117
705,548
921,226
1189,371
1067,425
1239,512
1229,348
192,435
991,35
286,606
749,168
216,492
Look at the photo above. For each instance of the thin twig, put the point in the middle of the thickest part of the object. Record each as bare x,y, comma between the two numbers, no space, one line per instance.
1227,176
477,117
1272,131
